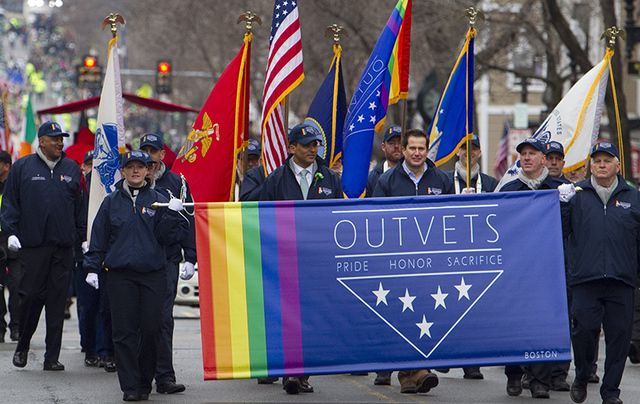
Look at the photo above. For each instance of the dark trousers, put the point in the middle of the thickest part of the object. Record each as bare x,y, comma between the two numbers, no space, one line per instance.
104,343
88,307
610,303
11,282
539,373
135,299
164,341
635,333
44,284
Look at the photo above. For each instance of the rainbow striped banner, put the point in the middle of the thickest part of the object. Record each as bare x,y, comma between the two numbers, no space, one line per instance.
336,286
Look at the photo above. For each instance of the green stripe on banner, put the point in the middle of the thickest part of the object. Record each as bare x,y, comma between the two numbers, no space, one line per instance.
255,296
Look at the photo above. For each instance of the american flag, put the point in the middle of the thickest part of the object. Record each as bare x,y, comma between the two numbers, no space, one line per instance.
502,154
284,72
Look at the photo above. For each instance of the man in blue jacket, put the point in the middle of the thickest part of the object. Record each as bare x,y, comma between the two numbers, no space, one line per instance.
602,223
414,175
169,184
253,180
302,176
129,238
480,182
43,214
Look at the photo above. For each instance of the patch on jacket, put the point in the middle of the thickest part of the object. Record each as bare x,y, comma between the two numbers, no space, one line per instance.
324,190
623,205
65,178
37,178
434,191
148,211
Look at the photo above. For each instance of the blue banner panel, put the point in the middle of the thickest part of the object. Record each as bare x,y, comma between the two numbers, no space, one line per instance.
430,282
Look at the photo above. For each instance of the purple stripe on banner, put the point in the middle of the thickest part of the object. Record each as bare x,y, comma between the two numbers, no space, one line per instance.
394,22
289,288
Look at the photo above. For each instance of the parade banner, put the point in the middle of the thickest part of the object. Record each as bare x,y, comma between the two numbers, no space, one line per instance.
338,286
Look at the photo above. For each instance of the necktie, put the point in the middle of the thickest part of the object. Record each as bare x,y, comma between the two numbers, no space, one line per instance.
304,184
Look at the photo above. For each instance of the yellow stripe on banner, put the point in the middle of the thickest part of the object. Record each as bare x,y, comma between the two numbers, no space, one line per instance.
237,291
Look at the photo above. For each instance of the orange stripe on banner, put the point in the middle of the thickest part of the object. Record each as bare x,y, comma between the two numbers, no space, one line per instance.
204,280
220,288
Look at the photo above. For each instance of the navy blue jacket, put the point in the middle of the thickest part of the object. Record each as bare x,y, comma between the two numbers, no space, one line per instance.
282,185
44,207
396,182
172,181
372,179
128,237
517,185
603,240
252,184
488,182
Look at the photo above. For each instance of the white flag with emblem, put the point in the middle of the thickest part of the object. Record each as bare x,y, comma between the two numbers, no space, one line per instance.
575,121
109,136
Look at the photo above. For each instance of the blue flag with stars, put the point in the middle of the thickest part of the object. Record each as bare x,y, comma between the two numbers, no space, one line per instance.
452,122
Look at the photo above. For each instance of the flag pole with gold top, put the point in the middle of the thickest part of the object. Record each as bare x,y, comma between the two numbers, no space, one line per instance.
473,14
611,35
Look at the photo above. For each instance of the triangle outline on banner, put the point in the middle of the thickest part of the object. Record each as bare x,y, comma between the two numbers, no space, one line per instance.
344,280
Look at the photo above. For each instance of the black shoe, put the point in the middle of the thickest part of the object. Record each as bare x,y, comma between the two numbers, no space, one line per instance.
267,380
91,361
305,387
560,385
20,359
132,397
426,384
383,379
144,396
612,400
53,366
525,381
15,335
539,391
442,370
634,353
514,386
109,365
578,392
594,378
170,388
359,374
291,385
472,374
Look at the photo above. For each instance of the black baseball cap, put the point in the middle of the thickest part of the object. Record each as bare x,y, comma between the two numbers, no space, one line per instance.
88,157
553,147
533,142
51,129
605,147
136,155
5,157
304,134
153,140
393,131
253,148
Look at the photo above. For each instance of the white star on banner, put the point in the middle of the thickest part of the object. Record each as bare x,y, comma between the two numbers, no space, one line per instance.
284,12
372,105
439,297
372,119
463,290
407,301
424,327
360,118
381,295
277,6
351,127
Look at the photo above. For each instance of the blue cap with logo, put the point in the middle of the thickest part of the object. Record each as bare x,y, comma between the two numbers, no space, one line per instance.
136,155
304,134
475,141
393,131
51,129
554,147
153,140
605,147
253,148
533,142
88,157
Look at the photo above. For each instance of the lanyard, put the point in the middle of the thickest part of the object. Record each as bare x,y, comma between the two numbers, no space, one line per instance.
457,183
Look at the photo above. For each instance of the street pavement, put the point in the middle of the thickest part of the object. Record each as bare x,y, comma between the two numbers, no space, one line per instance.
81,384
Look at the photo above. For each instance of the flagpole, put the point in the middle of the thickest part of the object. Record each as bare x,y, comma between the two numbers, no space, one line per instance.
248,17
612,34
472,13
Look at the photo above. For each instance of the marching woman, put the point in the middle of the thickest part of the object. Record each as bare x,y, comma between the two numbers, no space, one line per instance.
128,242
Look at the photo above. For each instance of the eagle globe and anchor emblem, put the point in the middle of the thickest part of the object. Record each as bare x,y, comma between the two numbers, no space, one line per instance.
203,136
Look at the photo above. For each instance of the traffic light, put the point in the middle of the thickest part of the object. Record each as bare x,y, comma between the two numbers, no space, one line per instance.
163,77
89,73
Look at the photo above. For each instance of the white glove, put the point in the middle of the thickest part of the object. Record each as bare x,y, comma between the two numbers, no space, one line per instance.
85,247
567,191
187,271
468,191
13,243
175,204
92,280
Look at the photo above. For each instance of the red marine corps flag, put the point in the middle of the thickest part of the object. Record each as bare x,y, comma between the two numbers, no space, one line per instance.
208,157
